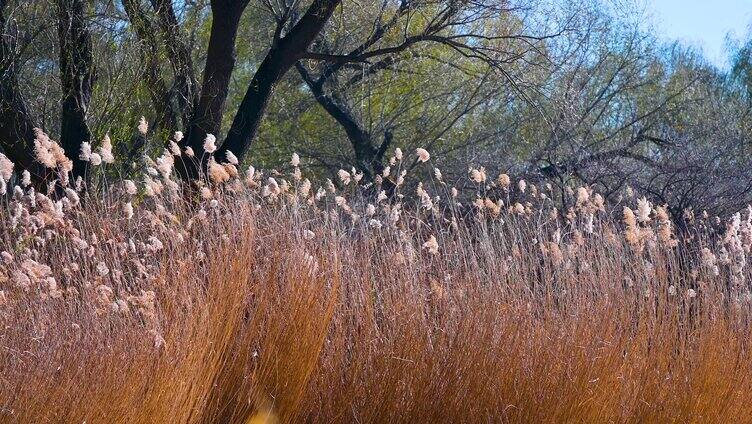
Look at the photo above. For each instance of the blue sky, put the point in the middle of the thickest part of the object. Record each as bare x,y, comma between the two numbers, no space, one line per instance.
702,23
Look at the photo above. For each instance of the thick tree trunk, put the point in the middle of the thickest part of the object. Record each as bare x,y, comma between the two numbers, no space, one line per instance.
220,62
16,126
77,78
280,58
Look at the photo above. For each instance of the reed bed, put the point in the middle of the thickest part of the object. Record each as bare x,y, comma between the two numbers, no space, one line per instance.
256,297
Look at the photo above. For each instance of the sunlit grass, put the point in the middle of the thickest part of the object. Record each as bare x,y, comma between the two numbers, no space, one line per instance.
263,299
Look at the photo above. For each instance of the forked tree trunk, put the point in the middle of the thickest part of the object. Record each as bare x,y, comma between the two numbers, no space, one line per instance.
280,58
368,157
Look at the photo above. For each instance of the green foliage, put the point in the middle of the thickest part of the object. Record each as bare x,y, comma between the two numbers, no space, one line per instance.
601,103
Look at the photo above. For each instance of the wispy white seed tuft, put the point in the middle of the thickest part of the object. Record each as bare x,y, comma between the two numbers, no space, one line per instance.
423,155
210,145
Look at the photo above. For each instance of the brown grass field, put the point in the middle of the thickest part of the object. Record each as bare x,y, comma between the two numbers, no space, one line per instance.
266,302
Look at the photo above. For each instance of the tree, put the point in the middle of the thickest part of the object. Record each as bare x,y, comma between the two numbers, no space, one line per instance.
287,47
16,126
206,117
477,38
206,105
77,80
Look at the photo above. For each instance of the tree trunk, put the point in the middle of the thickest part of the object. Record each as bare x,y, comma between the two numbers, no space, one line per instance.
369,158
77,79
16,126
220,62
149,52
280,58
179,54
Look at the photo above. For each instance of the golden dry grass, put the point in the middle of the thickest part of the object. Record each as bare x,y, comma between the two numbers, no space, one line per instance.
255,320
